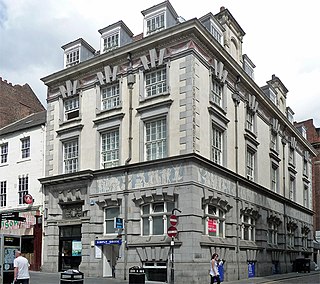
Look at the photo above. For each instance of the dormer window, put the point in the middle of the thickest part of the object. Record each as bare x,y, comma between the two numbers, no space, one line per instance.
155,24
111,42
216,33
73,57
273,96
248,66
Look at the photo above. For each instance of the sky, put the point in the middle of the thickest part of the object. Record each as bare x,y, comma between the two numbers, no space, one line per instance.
281,38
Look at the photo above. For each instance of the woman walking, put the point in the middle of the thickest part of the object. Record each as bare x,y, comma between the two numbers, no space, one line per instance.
214,273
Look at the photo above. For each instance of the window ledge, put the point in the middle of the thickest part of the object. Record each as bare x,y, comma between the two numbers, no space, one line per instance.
145,99
104,111
24,160
66,122
4,165
217,107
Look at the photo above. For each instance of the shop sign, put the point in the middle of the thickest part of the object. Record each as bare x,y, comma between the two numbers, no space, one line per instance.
30,220
108,242
212,226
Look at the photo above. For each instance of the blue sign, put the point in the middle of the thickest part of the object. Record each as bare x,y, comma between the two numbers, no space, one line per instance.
251,270
118,223
108,242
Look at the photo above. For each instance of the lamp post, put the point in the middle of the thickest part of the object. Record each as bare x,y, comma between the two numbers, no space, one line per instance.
172,245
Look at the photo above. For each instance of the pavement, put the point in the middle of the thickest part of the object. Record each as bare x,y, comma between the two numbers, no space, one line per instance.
54,278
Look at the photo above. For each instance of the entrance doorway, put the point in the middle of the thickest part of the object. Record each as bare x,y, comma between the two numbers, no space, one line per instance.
69,247
110,256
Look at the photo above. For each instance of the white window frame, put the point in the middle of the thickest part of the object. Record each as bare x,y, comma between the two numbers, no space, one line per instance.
305,167
306,201
111,41
274,177
273,140
156,82
3,193
72,57
216,32
250,120
110,96
156,141
110,143
25,147
216,213
156,23
250,164
273,96
23,188
249,226
291,156
4,153
217,92
217,145
149,214
71,108
71,158
109,219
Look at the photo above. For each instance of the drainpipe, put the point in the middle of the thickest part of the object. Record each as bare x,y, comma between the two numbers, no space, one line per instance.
283,141
130,82
236,100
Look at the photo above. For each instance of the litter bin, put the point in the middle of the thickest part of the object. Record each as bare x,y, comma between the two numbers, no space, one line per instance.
301,264
137,275
71,276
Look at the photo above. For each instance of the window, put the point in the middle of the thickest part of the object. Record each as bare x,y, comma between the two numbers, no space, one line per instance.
110,149
248,228
291,156
70,156
155,24
215,221
4,153
216,34
292,188
72,57
110,97
156,82
274,178
273,96
154,218
217,145
23,188
155,271
217,92
290,236
250,121
305,167
306,196
110,214
71,108
3,193
249,70
111,42
272,233
25,147
250,164
274,141
156,139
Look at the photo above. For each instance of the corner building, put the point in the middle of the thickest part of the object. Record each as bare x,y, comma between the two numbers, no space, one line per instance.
172,118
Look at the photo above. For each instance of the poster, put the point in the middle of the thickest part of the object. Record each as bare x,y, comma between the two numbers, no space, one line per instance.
76,248
212,226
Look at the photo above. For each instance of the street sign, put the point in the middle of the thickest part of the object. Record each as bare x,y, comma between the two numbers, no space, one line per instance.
28,199
172,232
173,220
118,223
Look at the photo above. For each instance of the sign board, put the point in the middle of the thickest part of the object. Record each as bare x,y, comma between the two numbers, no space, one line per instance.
212,225
76,248
251,269
173,220
118,223
28,199
172,232
108,242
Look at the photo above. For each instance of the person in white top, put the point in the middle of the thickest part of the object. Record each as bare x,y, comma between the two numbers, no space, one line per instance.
21,269
214,272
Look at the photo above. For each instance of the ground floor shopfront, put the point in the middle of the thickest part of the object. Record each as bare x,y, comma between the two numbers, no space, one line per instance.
256,231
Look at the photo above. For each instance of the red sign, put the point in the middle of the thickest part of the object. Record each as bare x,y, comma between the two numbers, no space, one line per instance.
172,232
173,220
28,199
212,225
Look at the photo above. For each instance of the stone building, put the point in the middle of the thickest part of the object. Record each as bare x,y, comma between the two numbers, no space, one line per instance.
172,119
17,102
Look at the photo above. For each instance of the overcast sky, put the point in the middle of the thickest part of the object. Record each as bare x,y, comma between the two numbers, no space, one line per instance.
282,38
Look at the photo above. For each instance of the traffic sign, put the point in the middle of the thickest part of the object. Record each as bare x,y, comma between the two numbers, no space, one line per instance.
173,220
172,232
28,199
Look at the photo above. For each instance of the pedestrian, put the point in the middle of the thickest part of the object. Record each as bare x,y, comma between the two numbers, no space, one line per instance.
21,269
214,273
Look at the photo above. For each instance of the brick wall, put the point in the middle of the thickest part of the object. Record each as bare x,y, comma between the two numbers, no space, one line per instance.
17,102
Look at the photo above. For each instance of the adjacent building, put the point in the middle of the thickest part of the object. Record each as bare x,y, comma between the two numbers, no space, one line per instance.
172,121
17,102
21,164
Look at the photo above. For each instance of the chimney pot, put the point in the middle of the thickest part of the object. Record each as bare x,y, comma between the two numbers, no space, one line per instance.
222,8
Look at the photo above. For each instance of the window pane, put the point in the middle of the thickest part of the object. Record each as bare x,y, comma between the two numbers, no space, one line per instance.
158,225
145,226
112,212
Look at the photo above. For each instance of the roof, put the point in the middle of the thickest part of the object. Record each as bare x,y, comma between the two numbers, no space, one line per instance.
30,121
80,41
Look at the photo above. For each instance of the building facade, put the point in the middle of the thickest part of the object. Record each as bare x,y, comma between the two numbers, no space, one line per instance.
169,121
21,164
